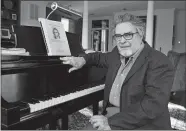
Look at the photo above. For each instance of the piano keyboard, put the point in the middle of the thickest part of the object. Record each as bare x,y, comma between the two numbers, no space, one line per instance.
61,99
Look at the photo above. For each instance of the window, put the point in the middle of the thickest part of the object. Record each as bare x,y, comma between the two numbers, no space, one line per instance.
65,23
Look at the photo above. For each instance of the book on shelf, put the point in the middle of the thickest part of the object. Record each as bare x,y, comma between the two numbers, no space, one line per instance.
14,51
55,38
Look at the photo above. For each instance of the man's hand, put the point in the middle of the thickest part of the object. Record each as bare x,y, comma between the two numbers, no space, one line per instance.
100,122
75,62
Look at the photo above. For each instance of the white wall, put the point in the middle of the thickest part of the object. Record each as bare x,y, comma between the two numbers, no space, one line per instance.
164,27
25,12
164,31
180,45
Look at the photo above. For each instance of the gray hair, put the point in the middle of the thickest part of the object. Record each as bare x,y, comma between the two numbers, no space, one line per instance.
134,20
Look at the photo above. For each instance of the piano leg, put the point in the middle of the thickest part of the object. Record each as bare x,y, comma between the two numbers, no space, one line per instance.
52,125
65,122
95,108
56,122
59,120
59,124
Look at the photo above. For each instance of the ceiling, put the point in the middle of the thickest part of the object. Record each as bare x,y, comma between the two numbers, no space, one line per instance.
106,8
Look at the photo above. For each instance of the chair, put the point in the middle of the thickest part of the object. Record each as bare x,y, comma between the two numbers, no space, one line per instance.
178,90
177,104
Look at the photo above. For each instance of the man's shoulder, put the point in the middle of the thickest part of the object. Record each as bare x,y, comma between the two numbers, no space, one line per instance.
157,54
158,57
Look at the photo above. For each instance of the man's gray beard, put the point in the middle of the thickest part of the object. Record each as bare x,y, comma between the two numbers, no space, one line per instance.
126,53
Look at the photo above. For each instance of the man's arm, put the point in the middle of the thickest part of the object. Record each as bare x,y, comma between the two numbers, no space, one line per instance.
97,58
158,85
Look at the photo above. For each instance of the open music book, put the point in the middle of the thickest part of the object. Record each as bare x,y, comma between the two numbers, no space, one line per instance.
55,38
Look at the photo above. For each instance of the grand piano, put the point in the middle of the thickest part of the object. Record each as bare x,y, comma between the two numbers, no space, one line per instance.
37,89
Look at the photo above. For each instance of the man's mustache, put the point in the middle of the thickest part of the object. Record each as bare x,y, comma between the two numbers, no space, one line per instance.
124,45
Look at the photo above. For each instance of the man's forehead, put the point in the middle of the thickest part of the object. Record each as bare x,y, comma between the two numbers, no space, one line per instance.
125,28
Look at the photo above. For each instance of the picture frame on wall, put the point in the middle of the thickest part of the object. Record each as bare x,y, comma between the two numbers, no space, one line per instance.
14,17
96,40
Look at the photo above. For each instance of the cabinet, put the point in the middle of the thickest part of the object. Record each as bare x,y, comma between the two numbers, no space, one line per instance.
100,34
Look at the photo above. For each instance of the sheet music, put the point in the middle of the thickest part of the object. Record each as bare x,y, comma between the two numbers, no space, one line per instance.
55,37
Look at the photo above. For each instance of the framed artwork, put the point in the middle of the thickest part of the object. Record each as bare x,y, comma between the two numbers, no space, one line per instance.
96,40
100,35
14,17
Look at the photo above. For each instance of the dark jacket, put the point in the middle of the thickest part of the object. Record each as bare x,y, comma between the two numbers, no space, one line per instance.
145,92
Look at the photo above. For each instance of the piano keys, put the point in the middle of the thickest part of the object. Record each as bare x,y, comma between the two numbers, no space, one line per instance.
37,104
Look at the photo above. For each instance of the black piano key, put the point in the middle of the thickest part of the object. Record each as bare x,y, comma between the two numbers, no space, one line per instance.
27,101
35,101
47,97
55,95
58,95
50,97
23,104
24,108
40,99
63,93
30,101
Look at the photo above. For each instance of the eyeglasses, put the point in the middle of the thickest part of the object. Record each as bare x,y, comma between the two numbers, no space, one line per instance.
127,36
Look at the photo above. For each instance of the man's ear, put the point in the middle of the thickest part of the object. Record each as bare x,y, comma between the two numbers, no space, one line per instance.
140,31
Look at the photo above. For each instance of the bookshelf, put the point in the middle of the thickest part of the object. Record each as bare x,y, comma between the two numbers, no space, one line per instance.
10,15
10,12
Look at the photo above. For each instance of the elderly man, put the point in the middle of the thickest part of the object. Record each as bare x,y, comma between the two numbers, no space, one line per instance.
138,82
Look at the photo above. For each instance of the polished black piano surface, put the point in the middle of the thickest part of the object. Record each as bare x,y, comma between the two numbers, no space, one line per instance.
38,89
